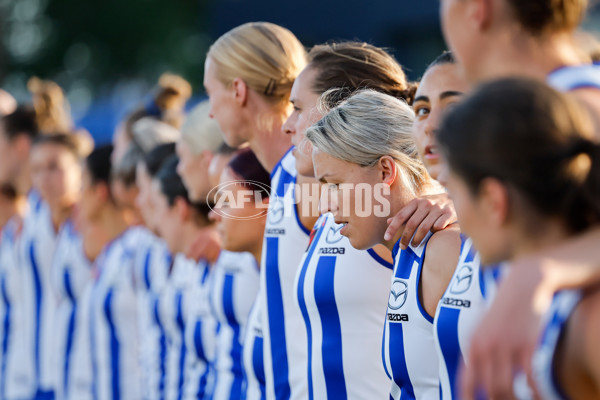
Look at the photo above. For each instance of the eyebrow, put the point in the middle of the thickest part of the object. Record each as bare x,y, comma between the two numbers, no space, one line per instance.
421,98
450,93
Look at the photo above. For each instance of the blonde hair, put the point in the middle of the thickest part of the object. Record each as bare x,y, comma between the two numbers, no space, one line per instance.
201,132
267,57
364,128
52,109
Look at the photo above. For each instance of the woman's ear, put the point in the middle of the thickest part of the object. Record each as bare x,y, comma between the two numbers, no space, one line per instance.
494,200
481,12
387,170
182,209
240,91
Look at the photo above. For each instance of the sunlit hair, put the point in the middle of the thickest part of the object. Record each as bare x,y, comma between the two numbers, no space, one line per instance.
52,111
367,126
548,16
267,57
200,132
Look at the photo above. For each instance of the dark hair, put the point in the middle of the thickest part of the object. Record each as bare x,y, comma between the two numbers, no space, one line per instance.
78,145
447,57
99,165
246,166
537,141
22,121
166,103
540,16
171,185
357,65
157,157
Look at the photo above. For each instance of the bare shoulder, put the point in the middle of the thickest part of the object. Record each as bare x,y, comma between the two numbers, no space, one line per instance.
585,321
443,249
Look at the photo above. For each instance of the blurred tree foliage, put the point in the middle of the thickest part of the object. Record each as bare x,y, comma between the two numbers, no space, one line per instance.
92,45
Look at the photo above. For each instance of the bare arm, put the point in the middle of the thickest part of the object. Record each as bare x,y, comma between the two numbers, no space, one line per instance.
419,216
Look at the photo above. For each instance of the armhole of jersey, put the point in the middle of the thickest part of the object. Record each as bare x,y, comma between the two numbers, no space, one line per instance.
298,220
380,259
418,281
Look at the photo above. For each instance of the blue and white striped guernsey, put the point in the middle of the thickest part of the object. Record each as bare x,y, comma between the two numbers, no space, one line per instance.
342,294
234,284
575,77
554,324
409,354
114,326
151,265
174,309
458,313
200,336
72,272
284,244
36,250
16,363
253,357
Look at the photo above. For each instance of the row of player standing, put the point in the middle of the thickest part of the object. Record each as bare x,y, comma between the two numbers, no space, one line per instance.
322,315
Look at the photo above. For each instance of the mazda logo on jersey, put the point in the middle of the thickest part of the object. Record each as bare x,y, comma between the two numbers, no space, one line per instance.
462,280
276,212
398,294
333,235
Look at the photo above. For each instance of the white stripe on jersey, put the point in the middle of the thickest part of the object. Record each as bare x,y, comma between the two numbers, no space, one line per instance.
342,294
114,326
201,340
409,354
575,77
72,272
555,322
233,289
36,252
284,243
16,360
253,357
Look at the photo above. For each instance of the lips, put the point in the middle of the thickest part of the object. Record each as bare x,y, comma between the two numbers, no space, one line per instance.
431,152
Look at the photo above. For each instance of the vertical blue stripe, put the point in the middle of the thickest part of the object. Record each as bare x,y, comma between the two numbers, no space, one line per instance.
147,268
276,316
94,346
70,330
37,284
114,347
302,303
447,330
333,365
162,352
258,365
199,347
398,361
6,336
236,347
182,349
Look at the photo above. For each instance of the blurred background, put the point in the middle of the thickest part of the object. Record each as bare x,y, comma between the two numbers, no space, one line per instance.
108,54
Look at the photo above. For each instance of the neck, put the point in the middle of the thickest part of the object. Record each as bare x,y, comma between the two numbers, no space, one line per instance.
23,183
257,253
525,55
270,144
111,224
60,215
188,235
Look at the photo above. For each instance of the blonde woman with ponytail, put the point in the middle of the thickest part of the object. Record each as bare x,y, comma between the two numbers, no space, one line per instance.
249,72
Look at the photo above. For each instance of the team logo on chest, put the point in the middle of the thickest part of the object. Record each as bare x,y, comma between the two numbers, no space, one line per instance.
398,294
333,235
462,281
276,211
